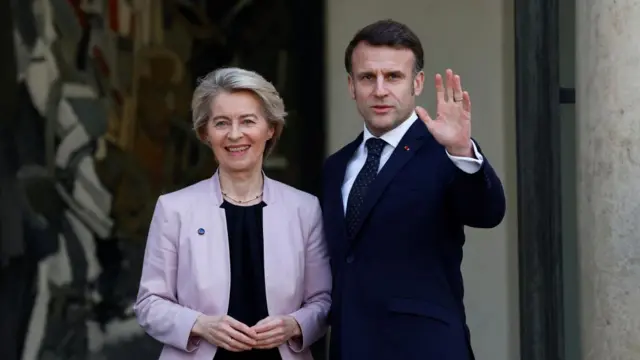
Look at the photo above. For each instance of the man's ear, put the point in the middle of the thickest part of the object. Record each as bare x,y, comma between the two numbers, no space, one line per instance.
418,83
351,85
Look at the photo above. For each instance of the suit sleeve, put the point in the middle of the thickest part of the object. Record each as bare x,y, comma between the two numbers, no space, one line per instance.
312,316
156,308
478,198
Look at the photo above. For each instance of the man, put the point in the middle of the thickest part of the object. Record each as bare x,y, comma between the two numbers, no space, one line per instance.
395,202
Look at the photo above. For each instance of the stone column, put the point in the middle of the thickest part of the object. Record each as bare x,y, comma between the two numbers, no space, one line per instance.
608,134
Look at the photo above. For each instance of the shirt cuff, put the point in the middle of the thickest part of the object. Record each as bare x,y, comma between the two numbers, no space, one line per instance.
466,164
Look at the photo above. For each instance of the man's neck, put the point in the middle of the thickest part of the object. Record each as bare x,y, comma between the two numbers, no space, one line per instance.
395,135
380,132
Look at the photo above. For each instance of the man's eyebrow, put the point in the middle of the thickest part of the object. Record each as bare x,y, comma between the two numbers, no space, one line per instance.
385,72
394,72
363,73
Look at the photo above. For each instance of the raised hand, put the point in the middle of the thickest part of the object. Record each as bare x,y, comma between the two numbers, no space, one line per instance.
452,125
225,332
273,331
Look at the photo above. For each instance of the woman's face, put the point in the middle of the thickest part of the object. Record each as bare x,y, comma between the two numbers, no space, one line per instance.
238,131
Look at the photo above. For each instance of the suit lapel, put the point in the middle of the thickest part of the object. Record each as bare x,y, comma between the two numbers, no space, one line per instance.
408,146
336,179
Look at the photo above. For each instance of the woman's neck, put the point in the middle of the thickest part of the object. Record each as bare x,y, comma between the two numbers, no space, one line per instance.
241,186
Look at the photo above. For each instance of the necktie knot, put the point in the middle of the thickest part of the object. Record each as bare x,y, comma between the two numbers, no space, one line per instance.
375,146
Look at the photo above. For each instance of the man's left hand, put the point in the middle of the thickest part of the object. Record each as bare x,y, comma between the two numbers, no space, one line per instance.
274,331
452,125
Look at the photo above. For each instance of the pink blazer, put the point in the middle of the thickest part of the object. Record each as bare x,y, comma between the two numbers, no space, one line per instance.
186,274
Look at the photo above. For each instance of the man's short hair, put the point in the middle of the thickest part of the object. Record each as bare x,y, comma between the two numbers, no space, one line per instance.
386,33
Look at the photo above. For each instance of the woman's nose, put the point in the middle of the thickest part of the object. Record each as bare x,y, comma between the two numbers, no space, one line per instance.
234,133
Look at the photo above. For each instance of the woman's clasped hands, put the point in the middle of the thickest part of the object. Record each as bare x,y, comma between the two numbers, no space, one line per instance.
231,334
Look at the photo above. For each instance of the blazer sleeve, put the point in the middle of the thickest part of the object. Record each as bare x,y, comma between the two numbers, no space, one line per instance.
312,316
478,198
157,309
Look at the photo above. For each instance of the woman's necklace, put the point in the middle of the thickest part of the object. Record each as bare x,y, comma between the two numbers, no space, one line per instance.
241,201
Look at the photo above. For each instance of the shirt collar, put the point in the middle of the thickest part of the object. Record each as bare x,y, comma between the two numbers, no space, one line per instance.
394,136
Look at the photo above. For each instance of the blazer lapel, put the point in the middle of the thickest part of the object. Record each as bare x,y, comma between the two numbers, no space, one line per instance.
272,228
409,145
217,239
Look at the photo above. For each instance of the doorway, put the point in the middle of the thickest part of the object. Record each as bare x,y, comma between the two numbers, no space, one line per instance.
545,130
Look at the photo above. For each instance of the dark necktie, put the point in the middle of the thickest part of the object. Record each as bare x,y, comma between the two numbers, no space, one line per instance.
365,177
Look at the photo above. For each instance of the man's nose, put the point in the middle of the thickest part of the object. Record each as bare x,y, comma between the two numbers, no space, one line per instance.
381,87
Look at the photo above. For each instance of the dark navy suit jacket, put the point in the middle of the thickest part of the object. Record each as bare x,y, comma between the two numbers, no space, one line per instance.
398,290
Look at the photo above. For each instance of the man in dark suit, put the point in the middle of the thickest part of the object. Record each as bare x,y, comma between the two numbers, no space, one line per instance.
395,204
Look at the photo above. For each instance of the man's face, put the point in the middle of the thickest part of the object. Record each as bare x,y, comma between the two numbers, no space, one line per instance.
383,85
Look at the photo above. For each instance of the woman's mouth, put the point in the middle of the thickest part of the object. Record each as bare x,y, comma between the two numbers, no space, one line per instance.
237,150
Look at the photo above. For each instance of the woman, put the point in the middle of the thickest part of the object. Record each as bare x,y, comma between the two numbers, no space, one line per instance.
236,266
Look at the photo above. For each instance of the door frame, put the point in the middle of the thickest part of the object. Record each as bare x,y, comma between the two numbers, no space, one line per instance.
309,42
538,98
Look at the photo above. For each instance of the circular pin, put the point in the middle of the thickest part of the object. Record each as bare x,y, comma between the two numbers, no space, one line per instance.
201,231
406,148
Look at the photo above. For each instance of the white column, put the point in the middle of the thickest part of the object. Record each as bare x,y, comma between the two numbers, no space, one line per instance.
608,156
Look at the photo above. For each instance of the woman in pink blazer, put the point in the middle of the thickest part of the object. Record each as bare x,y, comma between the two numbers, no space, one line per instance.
236,266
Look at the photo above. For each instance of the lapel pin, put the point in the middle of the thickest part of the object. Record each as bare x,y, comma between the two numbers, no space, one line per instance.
201,231
406,148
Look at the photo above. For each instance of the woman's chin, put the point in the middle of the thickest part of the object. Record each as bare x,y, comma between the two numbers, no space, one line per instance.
240,165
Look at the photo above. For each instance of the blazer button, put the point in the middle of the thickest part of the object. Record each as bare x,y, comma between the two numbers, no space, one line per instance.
350,259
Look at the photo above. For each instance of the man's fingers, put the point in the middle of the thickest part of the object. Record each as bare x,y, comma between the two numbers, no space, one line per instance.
439,89
449,85
424,115
457,88
466,102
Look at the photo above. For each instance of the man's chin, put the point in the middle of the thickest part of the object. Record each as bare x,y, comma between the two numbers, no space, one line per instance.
380,125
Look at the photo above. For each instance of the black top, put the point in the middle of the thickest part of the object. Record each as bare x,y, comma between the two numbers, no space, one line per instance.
248,300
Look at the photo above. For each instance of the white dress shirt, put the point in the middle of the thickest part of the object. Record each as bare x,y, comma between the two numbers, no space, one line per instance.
392,138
